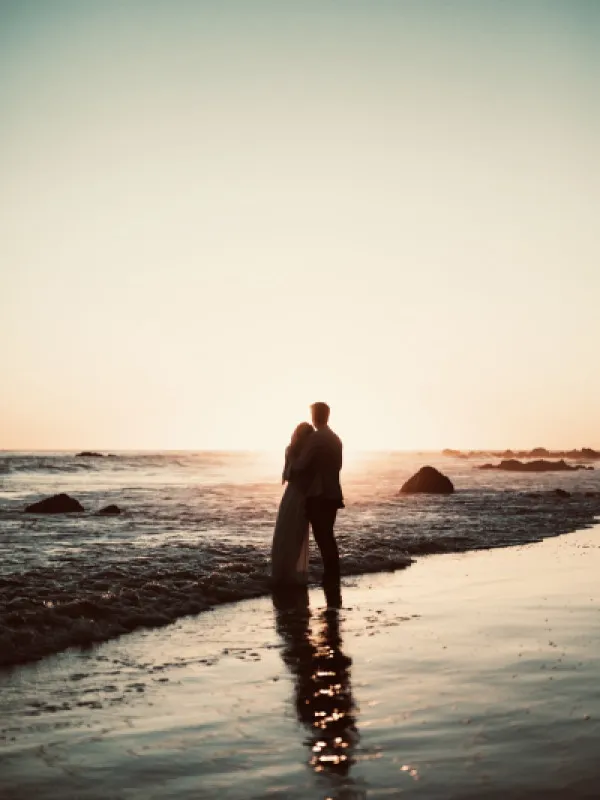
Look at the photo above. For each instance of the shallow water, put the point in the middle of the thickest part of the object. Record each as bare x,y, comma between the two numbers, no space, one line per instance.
197,530
467,676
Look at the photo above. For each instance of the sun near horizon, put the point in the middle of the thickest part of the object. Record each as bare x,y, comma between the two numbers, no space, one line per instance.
216,214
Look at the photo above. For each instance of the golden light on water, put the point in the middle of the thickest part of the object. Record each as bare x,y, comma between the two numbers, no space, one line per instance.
324,701
412,771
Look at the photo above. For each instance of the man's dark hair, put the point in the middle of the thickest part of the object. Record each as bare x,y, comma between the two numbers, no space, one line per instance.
320,412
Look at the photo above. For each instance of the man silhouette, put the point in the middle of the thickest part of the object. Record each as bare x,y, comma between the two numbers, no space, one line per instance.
320,464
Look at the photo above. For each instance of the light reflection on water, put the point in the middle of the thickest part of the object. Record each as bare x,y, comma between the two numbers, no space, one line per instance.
323,700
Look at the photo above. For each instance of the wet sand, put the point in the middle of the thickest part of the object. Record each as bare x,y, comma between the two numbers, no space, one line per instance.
466,675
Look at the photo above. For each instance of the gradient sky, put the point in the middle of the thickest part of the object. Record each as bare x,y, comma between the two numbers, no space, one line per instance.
214,213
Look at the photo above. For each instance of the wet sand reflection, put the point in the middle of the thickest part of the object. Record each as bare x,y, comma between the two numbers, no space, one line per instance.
323,699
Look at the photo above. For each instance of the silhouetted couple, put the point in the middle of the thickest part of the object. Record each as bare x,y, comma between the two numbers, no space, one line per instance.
313,495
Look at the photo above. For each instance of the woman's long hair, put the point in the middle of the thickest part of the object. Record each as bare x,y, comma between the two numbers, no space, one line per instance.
299,439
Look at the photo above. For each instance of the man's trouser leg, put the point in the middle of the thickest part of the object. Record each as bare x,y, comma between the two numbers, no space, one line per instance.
321,515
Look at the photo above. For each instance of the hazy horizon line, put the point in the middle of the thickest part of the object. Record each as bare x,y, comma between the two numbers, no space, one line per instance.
103,451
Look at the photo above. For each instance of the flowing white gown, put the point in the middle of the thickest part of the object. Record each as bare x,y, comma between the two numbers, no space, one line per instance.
289,553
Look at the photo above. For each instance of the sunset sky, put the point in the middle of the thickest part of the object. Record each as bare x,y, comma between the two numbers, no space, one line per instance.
215,213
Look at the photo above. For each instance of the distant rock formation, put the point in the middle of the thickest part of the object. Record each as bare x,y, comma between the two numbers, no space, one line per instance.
585,454
454,453
512,465
109,511
89,454
430,480
57,504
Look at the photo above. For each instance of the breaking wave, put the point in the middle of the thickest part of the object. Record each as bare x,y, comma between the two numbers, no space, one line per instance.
189,541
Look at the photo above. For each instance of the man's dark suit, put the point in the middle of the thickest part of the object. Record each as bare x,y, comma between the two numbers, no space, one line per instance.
320,464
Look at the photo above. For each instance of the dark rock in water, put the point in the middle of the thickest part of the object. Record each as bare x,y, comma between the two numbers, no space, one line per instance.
57,504
428,479
562,493
109,511
89,454
512,465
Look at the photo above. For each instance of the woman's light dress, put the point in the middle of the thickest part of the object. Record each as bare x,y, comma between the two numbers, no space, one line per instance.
289,554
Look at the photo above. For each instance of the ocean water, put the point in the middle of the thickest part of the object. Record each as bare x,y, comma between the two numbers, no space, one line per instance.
196,531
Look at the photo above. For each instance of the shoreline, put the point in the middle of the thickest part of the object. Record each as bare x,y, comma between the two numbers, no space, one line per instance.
196,533
71,610
469,675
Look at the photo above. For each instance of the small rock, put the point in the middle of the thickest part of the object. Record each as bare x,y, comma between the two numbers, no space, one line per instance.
109,511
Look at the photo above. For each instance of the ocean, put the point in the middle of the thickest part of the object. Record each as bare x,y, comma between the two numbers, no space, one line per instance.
196,532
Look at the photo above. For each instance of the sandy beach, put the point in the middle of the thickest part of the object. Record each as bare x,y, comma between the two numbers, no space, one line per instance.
465,675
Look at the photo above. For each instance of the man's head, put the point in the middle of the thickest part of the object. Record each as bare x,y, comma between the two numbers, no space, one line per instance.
320,414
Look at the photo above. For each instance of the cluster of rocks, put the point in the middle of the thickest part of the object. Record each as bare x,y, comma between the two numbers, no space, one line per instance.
65,504
540,465
585,454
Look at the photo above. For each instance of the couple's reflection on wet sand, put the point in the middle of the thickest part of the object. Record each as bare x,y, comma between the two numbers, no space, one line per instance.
312,652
